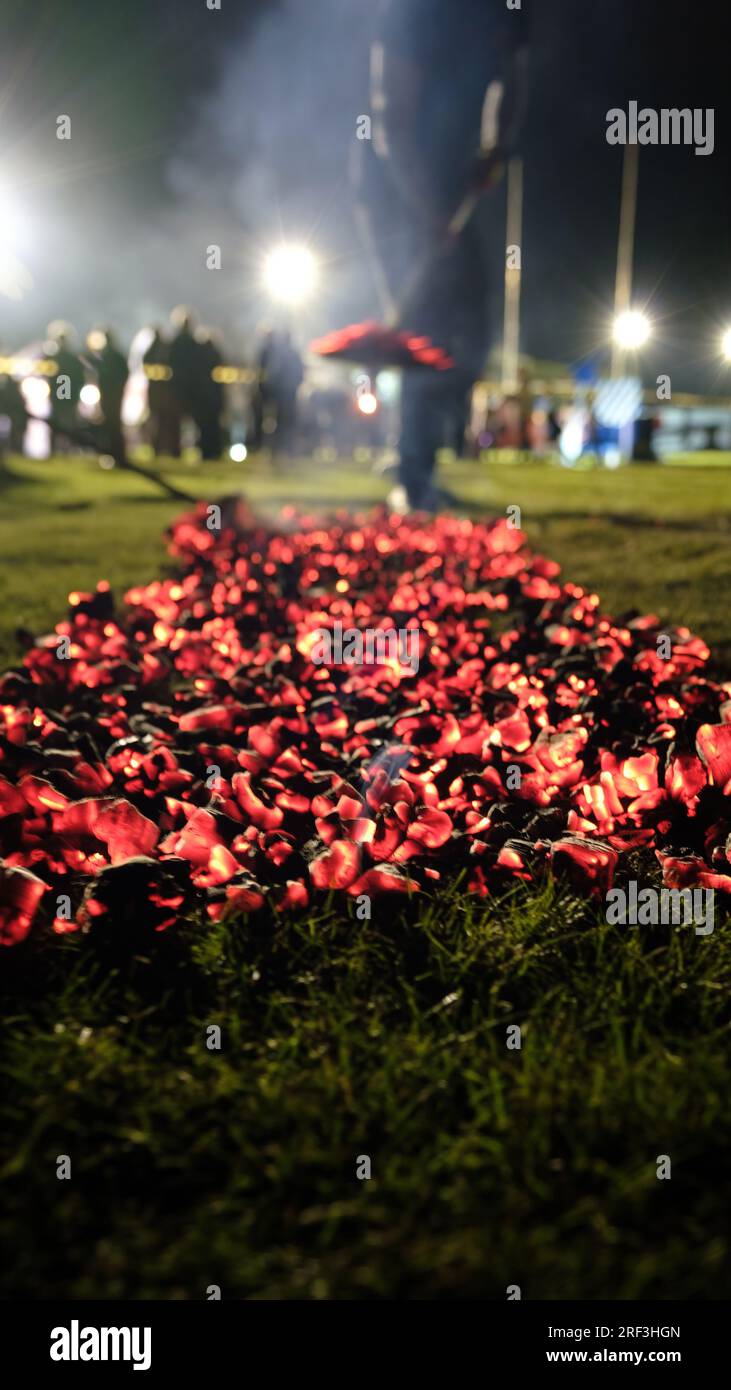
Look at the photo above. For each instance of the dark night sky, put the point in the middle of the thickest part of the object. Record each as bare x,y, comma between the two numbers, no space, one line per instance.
191,127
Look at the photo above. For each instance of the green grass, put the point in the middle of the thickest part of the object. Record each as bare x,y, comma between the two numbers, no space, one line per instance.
341,1038
651,538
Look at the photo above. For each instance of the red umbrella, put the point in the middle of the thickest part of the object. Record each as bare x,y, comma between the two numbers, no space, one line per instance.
377,346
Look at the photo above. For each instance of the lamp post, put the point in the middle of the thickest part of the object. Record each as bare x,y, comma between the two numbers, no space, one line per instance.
513,277
625,254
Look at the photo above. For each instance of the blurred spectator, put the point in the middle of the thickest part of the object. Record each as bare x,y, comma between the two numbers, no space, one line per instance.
65,387
262,406
189,363
13,407
209,400
285,373
525,407
111,373
164,416
643,450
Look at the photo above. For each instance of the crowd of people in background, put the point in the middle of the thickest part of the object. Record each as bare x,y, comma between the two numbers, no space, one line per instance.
178,381
184,388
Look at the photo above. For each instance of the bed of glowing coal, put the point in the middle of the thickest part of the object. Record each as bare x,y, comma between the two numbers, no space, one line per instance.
202,750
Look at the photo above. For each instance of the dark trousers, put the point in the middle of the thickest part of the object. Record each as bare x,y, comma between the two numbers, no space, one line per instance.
165,422
434,414
210,438
451,309
286,417
111,403
449,306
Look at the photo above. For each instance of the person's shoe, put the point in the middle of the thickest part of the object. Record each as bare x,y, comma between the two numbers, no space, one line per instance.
398,500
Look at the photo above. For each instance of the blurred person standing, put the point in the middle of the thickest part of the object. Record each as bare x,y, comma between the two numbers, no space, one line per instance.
112,372
13,407
261,401
189,364
448,85
164,415
285,376
209,400
65,386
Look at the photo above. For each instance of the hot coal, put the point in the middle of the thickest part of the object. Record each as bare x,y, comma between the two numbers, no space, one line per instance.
187,750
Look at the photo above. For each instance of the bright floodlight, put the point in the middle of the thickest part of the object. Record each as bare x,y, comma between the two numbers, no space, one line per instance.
726,345
631,329
367,403
290,273
238,452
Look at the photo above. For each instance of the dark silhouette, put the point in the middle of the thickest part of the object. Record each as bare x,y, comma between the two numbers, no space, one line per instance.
287,375
262,405
112,372
441,130
13,406
189,360
164,420
66,387
209,401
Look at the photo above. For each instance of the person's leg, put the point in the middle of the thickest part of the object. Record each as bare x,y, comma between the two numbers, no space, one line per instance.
433,414
215,436
170,421
175,427
203,423
286,417
116,442
114,436
257,420
18,427
451,310
419,437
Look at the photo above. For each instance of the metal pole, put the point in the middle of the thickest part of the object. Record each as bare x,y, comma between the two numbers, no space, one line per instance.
625,247
513,276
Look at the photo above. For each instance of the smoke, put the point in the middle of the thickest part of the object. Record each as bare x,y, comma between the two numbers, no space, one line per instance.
266,159
249,149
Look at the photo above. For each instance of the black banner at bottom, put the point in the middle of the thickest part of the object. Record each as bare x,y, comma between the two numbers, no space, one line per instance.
198,1339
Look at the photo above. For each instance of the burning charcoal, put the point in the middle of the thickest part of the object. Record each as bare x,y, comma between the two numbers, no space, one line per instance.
521,858
546,825
14,687
127,904
193,752
588,864
714,747
20,895
99,605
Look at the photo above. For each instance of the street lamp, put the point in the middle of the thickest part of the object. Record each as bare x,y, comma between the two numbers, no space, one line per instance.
631,330
726,345
290,273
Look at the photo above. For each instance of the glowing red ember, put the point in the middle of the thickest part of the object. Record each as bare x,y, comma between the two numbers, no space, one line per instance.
190,755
